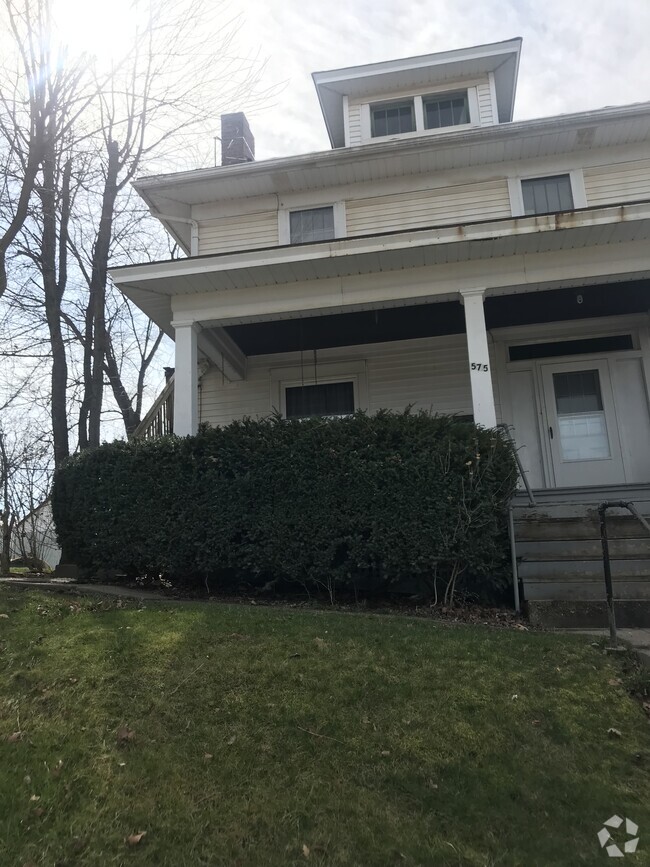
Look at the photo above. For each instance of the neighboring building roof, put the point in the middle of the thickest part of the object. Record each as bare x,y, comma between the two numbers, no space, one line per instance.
499,58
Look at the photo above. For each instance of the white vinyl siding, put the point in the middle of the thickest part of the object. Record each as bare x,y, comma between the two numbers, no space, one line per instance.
428,373
621,182
463,203
354,121
485,105
243,232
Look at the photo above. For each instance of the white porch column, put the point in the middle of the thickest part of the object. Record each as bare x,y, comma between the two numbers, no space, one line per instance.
186,379
479,358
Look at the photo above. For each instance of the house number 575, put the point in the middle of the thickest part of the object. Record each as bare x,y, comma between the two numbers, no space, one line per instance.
481,367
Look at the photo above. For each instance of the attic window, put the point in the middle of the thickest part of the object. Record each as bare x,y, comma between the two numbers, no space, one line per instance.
314,224
448,109
392,118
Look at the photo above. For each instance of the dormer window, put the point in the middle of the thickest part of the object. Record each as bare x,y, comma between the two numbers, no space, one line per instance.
420,114
392,118
448,109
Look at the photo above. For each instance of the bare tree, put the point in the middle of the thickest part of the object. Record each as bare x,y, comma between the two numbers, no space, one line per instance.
100,130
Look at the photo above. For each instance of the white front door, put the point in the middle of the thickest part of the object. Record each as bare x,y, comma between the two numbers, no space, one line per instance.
581,427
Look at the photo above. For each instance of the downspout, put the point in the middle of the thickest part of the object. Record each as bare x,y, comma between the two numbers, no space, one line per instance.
194,232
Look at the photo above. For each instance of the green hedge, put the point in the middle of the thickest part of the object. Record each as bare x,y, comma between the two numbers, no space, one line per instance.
363,503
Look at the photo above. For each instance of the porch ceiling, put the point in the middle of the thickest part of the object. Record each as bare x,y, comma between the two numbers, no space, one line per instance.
432,320
481,246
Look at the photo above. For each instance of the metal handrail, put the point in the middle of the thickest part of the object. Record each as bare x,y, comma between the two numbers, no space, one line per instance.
607,568
520,466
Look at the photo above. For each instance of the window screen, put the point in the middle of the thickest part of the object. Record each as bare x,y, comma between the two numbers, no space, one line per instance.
392,119
451,109
316,224
327,398
547,195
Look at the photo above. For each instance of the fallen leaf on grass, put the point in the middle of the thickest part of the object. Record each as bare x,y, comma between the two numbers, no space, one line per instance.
134,839
4,616
535,722
521,627
38,811
231,740
320,643
13,738
208,756
615,681
305,850
385,752
35,798
121,764
614,733
125,734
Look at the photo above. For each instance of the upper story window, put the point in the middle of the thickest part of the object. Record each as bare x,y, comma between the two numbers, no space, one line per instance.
449,109
420,114
392,118
547,195
314,224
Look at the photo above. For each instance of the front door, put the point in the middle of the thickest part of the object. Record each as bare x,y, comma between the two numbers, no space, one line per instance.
581,425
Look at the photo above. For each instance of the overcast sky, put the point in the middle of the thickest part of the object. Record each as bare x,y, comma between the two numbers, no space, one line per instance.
576,54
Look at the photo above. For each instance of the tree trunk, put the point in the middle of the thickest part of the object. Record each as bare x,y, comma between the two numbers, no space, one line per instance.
53,292
97,299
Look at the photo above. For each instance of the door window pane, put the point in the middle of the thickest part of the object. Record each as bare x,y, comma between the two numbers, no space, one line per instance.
547,195
581,418
328,398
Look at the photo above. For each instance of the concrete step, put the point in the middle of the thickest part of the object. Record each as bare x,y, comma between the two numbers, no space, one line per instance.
535,550
532,528
588,614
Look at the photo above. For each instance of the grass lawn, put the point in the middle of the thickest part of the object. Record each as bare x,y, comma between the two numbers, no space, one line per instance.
237,735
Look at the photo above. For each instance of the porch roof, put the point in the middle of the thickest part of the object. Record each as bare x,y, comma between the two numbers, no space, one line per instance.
444,259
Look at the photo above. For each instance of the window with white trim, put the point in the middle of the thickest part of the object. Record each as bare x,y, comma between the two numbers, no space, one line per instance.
423,113
312,224
547,195
392,118
322,399
447,109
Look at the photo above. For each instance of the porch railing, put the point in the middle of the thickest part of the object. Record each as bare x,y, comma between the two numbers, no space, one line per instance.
159,421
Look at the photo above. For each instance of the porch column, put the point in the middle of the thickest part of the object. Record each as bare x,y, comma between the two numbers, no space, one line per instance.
186,379
479,358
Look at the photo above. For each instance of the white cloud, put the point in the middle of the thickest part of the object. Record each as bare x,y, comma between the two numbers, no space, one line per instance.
577,54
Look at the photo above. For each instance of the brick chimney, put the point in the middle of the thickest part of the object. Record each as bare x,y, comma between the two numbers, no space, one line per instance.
237,142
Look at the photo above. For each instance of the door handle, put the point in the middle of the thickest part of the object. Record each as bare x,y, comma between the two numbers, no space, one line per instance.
550,432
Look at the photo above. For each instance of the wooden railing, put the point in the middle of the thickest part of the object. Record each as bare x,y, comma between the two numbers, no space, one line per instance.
159,421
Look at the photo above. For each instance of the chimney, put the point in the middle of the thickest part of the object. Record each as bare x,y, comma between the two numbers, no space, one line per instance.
237,142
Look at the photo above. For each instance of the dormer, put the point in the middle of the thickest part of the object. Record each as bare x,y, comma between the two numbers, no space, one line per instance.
420,96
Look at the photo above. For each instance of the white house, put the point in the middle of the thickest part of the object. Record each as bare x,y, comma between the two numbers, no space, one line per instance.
440,255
